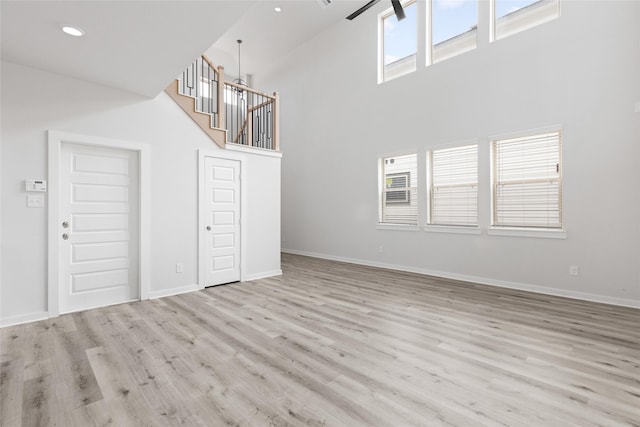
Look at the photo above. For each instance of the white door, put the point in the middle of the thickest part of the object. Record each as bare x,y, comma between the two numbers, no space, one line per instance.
222,221
99,204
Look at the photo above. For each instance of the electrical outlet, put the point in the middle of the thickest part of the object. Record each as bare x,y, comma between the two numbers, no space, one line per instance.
179,267
573,270
380,249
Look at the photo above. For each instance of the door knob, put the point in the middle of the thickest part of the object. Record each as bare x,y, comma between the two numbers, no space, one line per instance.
65,236
65,224
208,228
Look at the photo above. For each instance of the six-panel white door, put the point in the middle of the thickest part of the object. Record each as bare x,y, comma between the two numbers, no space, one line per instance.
222,221
99,204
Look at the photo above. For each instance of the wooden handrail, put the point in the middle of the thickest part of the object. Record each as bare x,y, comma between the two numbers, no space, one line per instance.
264,104
248,89
208,61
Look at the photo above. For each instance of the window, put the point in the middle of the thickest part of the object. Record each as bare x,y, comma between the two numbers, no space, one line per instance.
527,184
512,16
398,192
453,28
399,43
453,186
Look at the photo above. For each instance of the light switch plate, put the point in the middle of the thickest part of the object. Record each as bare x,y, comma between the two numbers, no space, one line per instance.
35,201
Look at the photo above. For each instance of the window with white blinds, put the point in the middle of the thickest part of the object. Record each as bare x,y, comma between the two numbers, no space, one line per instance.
398,198
453,186
527,184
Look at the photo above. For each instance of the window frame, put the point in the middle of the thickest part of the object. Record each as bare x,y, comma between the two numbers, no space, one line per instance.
413,192
526,230
431,47
381,47
430,185
524,13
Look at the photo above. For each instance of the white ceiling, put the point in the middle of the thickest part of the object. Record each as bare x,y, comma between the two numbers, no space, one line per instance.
140,46
267,35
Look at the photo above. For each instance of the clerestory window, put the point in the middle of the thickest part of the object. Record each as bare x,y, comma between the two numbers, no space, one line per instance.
398,43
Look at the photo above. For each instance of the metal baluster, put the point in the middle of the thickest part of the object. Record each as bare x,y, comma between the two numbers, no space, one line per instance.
209,95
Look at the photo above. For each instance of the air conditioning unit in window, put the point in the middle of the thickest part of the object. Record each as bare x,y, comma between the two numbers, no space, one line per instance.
397,180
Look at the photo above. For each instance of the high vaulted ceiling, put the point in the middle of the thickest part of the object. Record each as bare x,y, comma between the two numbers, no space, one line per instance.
268,35
139,46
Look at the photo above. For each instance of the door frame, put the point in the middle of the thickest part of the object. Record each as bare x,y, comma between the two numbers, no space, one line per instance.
202,221
55,140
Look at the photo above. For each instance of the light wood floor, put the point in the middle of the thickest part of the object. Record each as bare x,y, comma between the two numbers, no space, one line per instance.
328,344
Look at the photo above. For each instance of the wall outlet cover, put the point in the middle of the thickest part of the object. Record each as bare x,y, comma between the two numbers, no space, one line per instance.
35,201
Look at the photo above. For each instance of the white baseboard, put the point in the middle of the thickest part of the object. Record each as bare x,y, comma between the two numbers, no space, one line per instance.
264,275
173,291
480,280
34,317
23,318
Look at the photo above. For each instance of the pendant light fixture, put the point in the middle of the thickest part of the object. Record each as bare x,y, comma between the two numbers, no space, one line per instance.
239,79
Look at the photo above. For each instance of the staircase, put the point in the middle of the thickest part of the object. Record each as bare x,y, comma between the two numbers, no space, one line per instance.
228,112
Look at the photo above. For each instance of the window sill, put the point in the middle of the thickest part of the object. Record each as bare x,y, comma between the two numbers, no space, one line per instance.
543,233
397,227
452,229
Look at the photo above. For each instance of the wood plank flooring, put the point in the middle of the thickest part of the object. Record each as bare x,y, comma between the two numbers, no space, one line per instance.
328,344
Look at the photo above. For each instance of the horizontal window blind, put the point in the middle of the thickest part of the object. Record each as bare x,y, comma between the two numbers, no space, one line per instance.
527,187
399,196
453,186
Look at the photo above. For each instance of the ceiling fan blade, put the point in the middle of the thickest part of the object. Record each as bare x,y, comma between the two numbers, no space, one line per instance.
399,11
362,9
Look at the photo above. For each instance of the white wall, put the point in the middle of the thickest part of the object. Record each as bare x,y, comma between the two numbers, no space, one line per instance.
34,102
581,71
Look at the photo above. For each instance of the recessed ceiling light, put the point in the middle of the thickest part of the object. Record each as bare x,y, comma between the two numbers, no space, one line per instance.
73,31
277,9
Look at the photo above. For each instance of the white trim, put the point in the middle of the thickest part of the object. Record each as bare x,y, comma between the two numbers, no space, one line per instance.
542,233
399,153
55,140
478,280
525,133
173,291
23,318
381,17
453,144
264,275
452,229
1,238
496,229
202,154
526,16
253,150
93,307
398,227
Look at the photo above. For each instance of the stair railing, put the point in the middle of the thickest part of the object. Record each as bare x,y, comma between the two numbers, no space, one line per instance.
251,117
248,117
203,81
